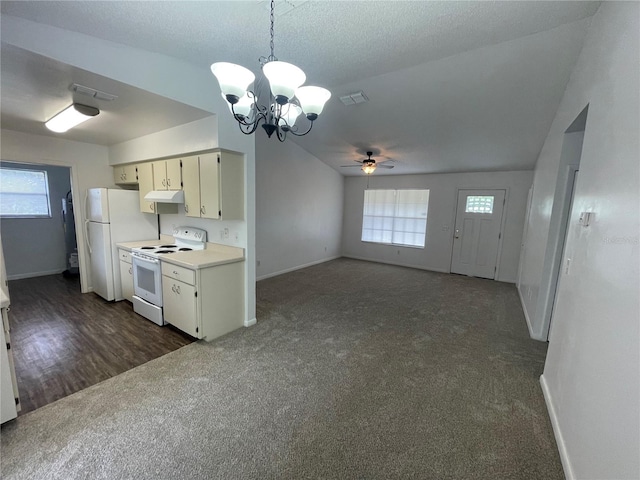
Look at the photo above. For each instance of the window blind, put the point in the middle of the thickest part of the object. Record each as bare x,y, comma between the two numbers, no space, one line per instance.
397,217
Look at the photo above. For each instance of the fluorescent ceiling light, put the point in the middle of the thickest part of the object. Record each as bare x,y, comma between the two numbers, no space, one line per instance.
71,116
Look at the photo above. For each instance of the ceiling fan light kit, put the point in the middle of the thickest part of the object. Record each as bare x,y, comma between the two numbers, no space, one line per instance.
369,168
287,97
70,117
368,165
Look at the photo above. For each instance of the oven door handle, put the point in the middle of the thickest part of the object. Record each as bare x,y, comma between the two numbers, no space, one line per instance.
153,261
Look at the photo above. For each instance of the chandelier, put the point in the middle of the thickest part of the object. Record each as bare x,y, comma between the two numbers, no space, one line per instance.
287,98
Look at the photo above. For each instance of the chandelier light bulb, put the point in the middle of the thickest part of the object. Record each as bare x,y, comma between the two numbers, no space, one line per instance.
242,107
284,78
312,100
234,80
290,112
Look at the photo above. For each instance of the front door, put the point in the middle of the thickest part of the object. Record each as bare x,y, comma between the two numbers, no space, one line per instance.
477,232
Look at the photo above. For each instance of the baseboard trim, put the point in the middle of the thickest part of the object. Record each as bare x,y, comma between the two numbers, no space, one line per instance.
562,448
250,323
20,276
526,315
439,270
293,269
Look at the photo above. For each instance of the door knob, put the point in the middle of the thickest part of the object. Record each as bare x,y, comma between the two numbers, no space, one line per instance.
457,234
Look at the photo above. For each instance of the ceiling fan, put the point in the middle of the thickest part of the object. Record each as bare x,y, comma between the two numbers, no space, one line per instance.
368,165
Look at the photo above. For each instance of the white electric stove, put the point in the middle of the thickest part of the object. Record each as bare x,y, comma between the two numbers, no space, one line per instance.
147,271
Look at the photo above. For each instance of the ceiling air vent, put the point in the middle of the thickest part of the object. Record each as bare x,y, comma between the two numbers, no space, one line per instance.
354,98
92,92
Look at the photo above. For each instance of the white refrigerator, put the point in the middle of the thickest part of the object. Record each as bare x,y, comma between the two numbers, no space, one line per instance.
113,216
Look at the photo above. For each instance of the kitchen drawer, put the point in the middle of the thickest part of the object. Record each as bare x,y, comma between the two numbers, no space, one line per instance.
179,273
124,255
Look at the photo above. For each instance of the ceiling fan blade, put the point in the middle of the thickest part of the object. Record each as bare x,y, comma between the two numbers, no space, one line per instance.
351,166
385,166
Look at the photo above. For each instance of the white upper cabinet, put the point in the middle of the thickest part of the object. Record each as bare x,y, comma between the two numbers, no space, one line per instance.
167,174
125,175
213,185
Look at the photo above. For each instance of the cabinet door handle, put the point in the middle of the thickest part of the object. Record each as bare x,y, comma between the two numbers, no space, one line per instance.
202,210
164,182
178,289
168,182
173,288
130,271
175,273
186,208
152,206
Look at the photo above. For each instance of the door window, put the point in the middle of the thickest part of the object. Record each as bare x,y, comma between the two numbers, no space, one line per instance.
479,204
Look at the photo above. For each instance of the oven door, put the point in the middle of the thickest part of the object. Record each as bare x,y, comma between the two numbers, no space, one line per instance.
147,278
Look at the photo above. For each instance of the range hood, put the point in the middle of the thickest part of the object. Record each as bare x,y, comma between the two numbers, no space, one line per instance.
165,196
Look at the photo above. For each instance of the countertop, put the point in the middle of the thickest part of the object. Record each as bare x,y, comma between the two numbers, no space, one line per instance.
214,254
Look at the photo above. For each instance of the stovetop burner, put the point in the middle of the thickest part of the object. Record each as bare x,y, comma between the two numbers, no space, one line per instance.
187,239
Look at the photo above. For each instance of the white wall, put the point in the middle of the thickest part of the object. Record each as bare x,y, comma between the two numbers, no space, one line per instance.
195,136
591,378
36,246
89,168
443,198
298,208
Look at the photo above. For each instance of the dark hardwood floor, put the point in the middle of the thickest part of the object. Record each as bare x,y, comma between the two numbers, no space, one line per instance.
64,341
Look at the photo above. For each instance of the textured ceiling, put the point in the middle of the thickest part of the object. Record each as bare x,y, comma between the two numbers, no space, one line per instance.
453,85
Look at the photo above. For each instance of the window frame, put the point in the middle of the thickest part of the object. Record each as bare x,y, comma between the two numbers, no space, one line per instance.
395,217
46,194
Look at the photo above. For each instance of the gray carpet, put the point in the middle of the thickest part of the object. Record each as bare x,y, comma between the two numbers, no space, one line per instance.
355,371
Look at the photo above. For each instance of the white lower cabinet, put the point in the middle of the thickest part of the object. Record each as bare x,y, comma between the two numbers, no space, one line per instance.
180,301
126,274
205,303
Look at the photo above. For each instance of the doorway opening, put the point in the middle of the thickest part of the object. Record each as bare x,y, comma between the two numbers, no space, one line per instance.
38,221
560,217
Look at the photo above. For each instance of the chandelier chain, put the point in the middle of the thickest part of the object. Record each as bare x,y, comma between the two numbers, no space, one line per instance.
272,57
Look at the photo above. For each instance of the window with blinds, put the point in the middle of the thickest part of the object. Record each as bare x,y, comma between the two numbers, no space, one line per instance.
24,193
395,217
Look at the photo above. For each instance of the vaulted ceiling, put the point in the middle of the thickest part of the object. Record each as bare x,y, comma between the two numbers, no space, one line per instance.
452,86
